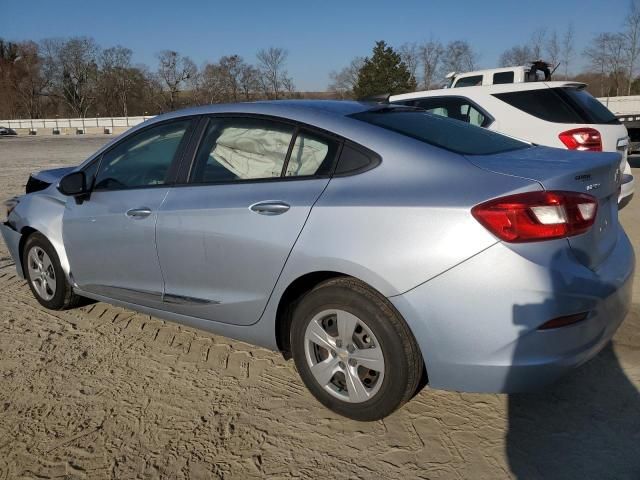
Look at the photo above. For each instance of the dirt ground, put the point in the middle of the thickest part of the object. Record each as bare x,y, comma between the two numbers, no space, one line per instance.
102,392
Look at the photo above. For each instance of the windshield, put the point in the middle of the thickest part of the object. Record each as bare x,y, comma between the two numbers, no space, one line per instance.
453,135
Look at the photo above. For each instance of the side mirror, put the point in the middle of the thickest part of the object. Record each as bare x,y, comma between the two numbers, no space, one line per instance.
74,184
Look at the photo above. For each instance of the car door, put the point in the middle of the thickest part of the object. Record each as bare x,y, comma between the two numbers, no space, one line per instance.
110,236
224,237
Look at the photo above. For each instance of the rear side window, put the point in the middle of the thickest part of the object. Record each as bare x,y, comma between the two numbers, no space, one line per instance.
502,77
457,108
473,81
544,104
311,155
458,137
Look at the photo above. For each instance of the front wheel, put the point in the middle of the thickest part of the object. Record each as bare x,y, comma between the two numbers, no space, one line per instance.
44,273
353,350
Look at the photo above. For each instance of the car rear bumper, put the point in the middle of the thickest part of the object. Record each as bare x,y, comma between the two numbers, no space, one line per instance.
12,241
626,190
477,324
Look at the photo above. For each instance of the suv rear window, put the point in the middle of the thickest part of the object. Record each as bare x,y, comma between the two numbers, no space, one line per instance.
452,135
559,105
591,108
544,104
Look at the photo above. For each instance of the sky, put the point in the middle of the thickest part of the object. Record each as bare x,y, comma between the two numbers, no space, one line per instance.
320,36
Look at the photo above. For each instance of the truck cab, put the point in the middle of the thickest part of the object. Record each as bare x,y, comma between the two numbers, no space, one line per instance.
538,71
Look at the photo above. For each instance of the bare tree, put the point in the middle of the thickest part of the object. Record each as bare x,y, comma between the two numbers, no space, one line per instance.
567,49
116,78
29,79
272,63
211,86
231,70
538,41
174,71
616,60
74,66
632,39
430,54
344,81
458,56
515,56
553,49
605,57
249,80
410,55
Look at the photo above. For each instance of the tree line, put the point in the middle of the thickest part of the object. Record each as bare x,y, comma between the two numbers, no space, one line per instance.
611,60
75,77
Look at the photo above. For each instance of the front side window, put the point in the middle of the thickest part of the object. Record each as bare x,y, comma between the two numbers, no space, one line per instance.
142,160
472,81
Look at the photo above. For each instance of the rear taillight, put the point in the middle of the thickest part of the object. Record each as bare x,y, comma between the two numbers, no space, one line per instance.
535,216
583,139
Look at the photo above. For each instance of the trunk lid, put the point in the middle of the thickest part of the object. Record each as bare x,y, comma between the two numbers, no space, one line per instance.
597,174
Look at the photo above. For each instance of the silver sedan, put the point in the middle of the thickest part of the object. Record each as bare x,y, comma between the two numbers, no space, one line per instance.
380,246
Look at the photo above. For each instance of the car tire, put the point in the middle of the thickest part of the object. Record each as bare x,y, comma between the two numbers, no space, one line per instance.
353,350
45,276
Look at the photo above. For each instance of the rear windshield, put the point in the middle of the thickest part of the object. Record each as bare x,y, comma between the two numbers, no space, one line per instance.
559,105
589,106
453,135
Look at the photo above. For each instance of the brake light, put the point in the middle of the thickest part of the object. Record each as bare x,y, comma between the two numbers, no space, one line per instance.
583,139
536,216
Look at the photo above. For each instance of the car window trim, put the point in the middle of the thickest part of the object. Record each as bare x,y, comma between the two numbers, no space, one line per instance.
298,127
175,162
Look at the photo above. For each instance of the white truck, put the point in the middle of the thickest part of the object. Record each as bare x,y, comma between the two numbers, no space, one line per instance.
627,109
538,71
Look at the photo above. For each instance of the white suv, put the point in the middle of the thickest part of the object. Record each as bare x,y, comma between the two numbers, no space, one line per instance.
555,114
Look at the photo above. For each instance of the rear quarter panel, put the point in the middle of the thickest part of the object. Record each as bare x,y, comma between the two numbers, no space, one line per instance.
402,223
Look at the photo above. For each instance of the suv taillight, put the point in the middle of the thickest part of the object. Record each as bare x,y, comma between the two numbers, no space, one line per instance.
535,216
584,139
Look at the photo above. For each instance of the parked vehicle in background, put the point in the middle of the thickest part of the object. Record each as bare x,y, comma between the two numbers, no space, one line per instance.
345,235
6,131
536,72
627,110
555,114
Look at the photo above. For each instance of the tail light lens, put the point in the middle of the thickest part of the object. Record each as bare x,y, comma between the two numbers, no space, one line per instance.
536,216
583,139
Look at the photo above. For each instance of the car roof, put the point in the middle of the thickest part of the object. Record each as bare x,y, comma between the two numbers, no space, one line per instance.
293,109
486,89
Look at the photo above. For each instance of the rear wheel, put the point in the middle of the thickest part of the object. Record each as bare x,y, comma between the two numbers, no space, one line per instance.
44,273
353,350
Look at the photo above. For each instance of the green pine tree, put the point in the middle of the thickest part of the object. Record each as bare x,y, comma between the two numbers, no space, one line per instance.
384,72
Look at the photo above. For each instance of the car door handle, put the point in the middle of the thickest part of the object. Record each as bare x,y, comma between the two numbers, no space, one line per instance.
139,212
270,207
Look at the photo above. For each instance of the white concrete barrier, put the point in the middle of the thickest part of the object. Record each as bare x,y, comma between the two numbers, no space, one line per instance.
51,124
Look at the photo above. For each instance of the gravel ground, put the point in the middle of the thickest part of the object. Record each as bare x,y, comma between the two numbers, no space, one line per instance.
103,392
